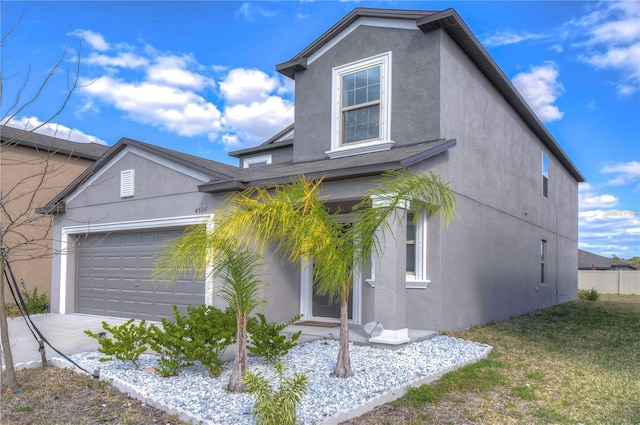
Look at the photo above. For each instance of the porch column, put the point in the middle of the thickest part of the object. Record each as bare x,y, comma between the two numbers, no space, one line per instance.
390,280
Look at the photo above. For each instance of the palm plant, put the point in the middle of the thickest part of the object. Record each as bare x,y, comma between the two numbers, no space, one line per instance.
276,406
292,219
226,261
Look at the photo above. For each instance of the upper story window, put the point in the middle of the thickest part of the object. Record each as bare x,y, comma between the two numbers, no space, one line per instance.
256,161
545,175
361,107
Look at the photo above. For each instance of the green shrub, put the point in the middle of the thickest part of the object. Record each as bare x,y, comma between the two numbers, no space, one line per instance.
267,340
169,342
36,303
588,295
207,332
128,343
276,406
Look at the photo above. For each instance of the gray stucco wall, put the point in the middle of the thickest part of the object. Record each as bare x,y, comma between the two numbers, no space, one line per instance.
491,253
278,156
161,192
415,88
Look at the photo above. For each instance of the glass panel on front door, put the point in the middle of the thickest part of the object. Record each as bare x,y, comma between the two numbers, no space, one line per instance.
323,308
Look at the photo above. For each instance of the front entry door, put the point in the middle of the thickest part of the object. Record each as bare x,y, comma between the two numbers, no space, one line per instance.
322,307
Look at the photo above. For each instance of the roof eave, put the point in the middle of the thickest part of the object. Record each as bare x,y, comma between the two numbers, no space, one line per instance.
452,23
222,186
414,159
373,169
299,61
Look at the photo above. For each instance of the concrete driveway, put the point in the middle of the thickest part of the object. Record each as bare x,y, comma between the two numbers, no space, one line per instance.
65,332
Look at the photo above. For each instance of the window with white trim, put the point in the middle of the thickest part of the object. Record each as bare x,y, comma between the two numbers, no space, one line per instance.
416,252
256,161
416,248
543,255
127,183
545,175
361,97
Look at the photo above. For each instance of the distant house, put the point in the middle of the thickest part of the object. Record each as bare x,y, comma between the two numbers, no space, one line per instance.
379,90
38,165
591,261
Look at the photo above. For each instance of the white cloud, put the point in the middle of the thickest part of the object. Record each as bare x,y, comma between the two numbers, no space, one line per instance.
181,111
248,12
625,173
53,129
604,228
541,88
588,199
174,92
173,70
120,60
610,39
94,39
259,120
247,85
503,38
609,232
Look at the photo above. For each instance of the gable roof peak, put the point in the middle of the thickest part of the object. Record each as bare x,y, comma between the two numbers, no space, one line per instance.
299,61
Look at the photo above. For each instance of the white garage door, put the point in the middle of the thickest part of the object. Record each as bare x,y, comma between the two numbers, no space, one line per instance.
114,277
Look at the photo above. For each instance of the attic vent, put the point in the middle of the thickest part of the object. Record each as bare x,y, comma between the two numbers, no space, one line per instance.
127,178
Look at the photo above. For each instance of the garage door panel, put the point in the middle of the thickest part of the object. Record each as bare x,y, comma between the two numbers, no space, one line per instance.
114,277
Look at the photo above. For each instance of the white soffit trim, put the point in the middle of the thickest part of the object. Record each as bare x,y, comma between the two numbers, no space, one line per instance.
148,156
153,223
370,22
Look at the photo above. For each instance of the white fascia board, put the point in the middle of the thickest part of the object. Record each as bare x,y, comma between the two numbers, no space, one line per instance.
154,223
370,22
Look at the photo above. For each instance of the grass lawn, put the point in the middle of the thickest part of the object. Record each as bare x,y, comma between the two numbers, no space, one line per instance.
573,363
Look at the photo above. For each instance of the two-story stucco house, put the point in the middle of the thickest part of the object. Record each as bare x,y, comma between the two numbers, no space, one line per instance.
380,90
33,169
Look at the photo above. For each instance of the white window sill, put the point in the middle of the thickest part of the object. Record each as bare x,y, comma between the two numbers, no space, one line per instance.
410,284
417,284
359,149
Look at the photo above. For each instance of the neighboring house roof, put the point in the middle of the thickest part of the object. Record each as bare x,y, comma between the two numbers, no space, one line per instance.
590,261
215,170
30,139
333,169
452,23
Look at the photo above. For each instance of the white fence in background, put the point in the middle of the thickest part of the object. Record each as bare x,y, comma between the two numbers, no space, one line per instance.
610,281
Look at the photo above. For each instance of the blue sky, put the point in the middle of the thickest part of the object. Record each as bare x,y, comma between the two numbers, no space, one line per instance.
199,77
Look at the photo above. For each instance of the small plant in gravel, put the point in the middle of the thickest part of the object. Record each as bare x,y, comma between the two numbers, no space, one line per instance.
169,342
128,343
588,294
267,339
276,406
207,332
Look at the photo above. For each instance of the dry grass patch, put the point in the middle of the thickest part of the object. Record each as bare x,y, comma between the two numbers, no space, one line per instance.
574,363
55,396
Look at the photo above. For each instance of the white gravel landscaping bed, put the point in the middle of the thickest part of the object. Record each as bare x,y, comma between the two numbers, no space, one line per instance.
380,376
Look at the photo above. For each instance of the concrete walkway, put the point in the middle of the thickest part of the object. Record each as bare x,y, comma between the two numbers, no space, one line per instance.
66,333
